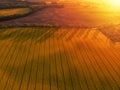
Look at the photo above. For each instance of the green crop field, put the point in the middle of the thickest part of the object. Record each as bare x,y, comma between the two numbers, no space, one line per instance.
58,59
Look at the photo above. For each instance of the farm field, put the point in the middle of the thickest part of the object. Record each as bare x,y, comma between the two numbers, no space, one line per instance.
13,13
71,15
58,59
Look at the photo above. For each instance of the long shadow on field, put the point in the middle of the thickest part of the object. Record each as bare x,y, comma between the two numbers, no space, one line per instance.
48,72
47,66
41,75
37,34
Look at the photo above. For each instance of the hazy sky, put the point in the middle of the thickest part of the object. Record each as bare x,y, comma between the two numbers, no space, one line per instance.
69,0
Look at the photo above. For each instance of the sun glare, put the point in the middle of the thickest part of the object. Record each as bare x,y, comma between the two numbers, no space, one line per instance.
115,3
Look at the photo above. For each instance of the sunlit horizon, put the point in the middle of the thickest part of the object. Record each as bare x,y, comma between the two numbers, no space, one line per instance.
105,5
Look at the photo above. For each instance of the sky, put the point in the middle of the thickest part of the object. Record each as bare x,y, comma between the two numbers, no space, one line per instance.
68,0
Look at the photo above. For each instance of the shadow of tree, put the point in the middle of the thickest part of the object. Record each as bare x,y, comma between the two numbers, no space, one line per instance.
37,34
41,76
40,62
